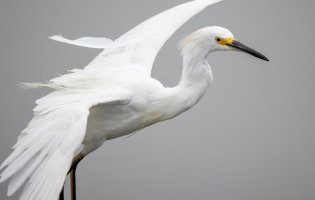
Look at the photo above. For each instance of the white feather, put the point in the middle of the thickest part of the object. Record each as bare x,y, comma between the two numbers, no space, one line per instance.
52,138
34,85
89,42
21,176
143,42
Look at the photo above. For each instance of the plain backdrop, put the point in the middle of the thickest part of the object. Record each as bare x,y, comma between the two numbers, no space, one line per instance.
250,138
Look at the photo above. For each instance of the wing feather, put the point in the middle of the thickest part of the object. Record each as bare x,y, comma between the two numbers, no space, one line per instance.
44,151
89,42
142,43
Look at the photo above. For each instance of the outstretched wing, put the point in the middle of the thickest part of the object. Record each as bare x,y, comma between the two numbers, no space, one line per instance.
140,45
145,40
44,151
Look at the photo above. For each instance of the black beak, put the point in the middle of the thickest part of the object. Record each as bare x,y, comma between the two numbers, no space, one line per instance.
241,47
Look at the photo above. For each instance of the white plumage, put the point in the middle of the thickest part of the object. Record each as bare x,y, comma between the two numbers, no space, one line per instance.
89,42
111,97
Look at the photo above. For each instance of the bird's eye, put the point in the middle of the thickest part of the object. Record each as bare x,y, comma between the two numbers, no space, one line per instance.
218,39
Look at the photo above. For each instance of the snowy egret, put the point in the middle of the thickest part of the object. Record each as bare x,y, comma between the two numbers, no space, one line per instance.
113,96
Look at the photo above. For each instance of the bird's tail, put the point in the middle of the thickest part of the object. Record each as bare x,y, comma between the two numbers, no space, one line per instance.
43,154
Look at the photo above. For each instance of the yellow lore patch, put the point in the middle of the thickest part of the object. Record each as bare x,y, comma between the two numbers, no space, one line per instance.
224,41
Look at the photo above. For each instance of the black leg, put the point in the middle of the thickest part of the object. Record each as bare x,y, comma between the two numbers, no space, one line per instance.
73,183
61,196
76,161
72,172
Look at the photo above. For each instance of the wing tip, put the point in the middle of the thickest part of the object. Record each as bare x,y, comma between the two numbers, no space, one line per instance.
58,38
10,191
3,165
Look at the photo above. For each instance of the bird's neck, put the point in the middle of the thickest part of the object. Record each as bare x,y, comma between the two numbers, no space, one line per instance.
196,69
195,80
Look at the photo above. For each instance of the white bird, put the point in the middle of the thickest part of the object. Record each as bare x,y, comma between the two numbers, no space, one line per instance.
113,96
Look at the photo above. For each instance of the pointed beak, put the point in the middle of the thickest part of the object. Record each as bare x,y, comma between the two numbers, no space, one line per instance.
243,48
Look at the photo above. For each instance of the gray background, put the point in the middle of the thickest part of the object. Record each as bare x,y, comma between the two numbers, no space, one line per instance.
251,137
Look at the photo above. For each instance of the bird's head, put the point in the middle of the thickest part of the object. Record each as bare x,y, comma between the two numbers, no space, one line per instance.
216,38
